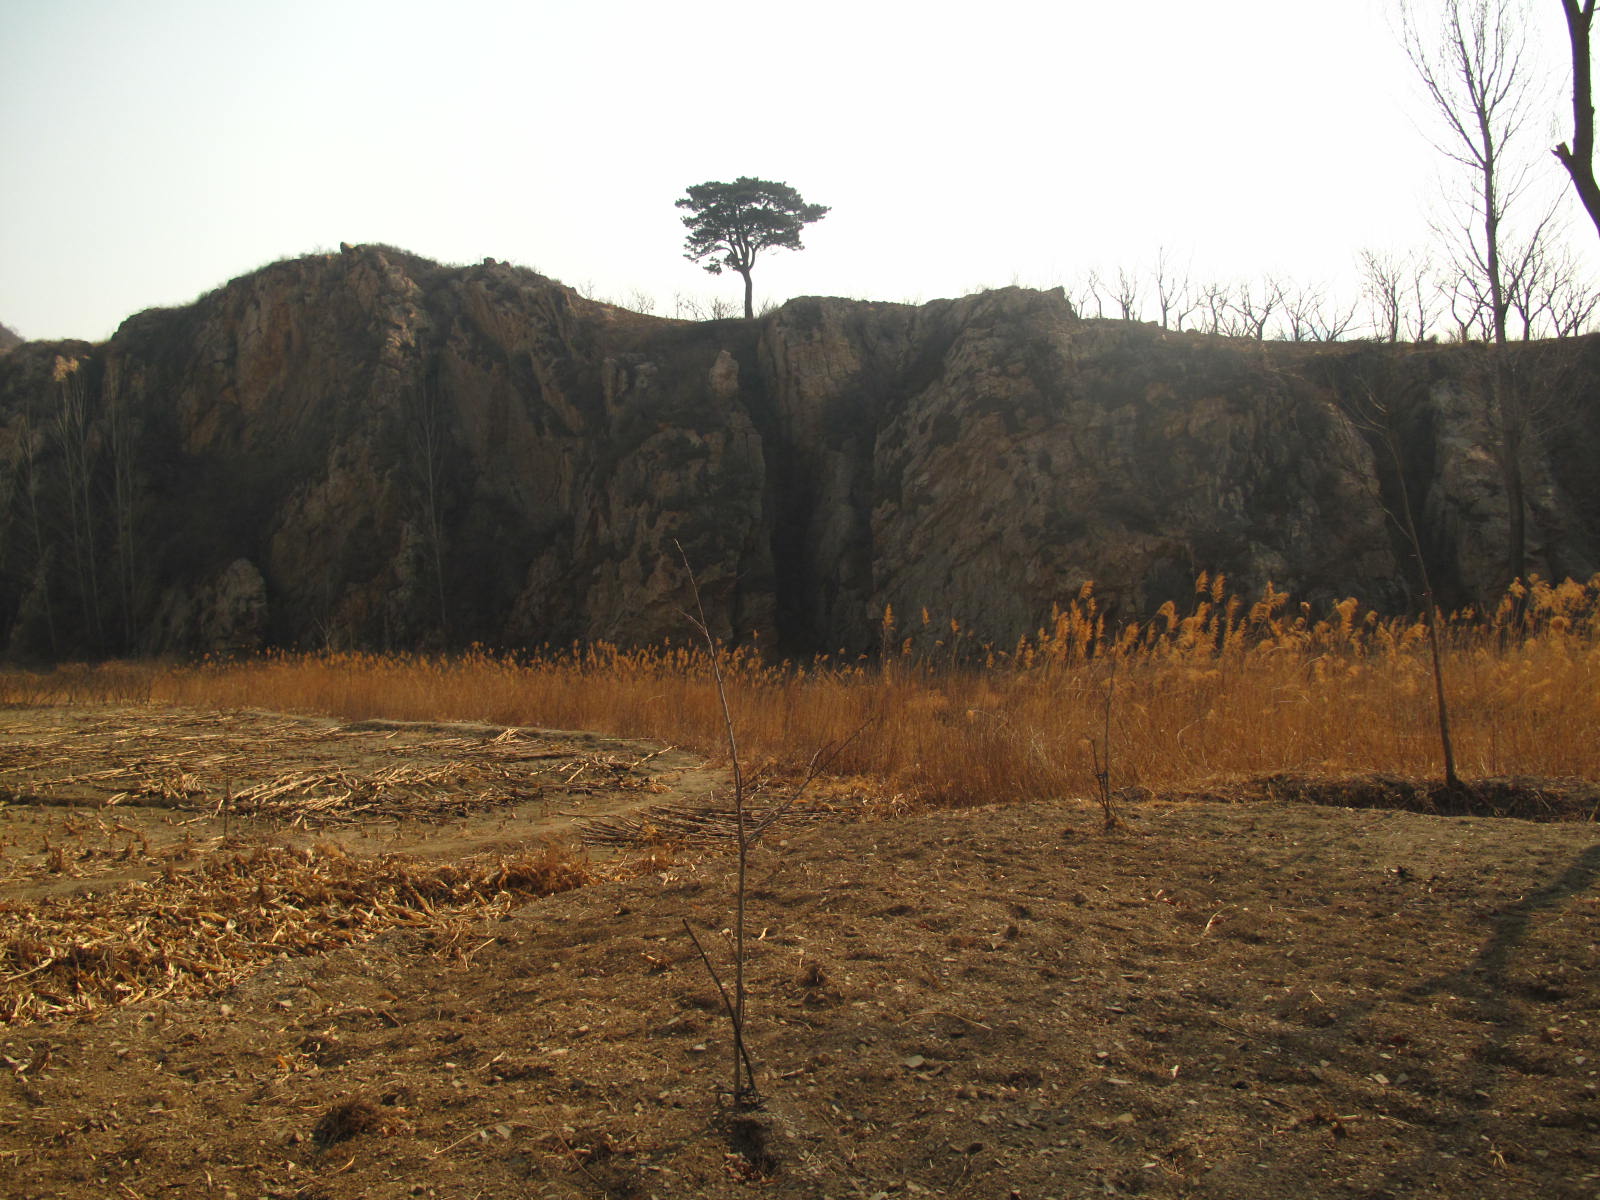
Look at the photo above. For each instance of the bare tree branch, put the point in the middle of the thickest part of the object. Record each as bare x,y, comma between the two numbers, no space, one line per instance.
1577,156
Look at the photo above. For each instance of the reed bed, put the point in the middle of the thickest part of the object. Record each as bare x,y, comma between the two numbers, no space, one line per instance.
1229,688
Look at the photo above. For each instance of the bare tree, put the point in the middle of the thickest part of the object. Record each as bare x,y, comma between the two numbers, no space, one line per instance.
32,483
1525,267
1382,282
1254,306
1468,314
1557,299
1333,320
121,440
1577,156
1473,71
1472,68
688,308
749,827
1298,309
1421,295
1529,264
1310,314
1401,294
1126,294
1215,300
1374,411
74,436
1171,288
1093,294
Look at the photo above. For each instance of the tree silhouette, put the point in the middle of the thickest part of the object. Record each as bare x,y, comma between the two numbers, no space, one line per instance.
1472,63
731,223
1578,155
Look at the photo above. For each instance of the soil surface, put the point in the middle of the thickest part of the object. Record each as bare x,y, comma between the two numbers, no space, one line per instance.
249,955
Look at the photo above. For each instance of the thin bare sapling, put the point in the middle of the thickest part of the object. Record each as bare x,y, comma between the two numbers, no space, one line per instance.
750,826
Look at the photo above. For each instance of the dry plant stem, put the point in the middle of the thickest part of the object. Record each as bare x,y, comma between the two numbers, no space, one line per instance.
1379,420
744,1093
727,1001
1409,523
1102,767
1451,779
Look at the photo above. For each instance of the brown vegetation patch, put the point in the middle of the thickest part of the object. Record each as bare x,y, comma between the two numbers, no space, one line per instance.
234,763
239,908
1331,985
1221,1000
1227,687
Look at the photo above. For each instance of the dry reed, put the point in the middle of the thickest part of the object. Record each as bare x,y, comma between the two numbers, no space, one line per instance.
1228,689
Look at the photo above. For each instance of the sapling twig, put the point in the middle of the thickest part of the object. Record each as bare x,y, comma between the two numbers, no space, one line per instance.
744,1093
1379,419
1102,767
746,834
727,1001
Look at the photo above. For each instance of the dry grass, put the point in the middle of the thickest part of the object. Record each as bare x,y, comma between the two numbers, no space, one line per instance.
240,907
1230,688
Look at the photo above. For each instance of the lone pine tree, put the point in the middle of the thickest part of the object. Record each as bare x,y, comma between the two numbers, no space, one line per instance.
730,223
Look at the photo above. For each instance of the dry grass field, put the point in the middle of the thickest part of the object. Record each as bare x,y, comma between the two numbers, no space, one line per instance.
1232,689
295,926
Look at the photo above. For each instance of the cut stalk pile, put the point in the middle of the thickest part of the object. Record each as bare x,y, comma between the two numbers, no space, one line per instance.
503,768
241,907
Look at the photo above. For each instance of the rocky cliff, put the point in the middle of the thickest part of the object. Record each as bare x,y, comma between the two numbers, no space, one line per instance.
368,449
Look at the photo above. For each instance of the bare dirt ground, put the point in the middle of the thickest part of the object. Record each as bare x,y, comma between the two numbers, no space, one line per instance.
1253,993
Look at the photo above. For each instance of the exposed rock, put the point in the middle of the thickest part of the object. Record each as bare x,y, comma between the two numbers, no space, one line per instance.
367,449
225,615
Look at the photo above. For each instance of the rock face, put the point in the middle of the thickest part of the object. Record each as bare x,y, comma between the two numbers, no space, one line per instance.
367,449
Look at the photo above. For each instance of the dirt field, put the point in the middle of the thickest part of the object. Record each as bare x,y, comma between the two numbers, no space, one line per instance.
250,955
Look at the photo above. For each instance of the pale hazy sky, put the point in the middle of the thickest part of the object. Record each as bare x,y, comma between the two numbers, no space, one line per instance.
157,148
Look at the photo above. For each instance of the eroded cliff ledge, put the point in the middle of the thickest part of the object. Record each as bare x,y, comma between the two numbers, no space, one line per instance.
368,449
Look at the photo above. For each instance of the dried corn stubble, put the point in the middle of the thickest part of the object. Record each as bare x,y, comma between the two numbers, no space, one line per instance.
238,909
72,848
208,762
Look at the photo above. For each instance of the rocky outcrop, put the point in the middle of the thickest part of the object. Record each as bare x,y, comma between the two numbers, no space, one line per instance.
367,449
224,615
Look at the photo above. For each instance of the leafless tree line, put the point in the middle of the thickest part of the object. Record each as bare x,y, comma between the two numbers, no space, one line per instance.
71,497
1404,297
1268,308
1500,268
684,306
